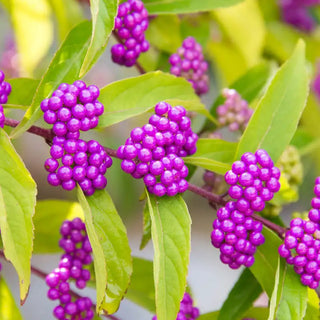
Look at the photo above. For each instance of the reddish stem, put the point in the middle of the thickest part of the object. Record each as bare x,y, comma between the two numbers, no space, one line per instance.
213,199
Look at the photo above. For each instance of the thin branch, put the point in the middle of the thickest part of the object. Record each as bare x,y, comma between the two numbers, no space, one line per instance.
215,200
137,64
47,134
211,197
43,275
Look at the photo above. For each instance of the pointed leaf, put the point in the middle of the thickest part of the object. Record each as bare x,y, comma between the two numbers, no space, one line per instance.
111,251
103,13
141,289
48,219
8,306
185,6
64,67
17,201
170,229
275,119
246,290
133,96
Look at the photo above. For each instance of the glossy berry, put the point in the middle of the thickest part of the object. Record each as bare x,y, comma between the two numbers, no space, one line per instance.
130,25
187,310
189,63
153,153
235,112
5,89
74,241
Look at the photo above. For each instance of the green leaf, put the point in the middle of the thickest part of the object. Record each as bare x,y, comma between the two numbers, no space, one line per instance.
111,251
48,218
33,31
171,232
146,236
274,298
103,13
293,295
185,6
258,313
17,201
141,289
64,67
164,33
249,86
8,307
266,261
131,97
312,312
68,14
23,89
213,154
246,290
275,119
244,26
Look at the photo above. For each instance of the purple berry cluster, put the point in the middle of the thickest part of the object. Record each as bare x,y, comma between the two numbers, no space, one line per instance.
2,117
5,89
253,181
187,310
130,26
235,112
154,151
71,109
301,246
296,13
189,63
79,161
237,236
78,250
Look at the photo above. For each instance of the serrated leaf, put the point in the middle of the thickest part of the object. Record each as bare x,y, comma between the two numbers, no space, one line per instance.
171,232
48,218
244,23
146,235
275,119
17,201
241,297
141,289
213,154
64,67
103,13
30,18
185,6
8,307
111,250
23,89
68,14
133,96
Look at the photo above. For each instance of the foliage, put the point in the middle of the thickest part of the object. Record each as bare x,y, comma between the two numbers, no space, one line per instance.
250,50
